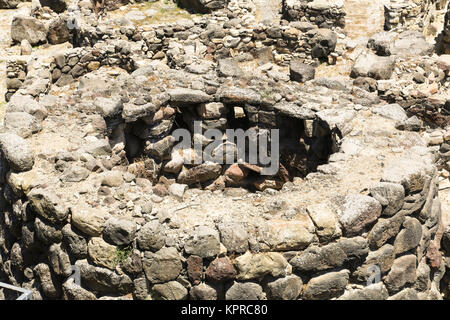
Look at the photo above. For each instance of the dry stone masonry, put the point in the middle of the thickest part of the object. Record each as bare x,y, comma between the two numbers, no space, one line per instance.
94,177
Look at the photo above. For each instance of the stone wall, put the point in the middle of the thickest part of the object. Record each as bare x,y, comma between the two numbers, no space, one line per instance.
324,13
409,14
395,229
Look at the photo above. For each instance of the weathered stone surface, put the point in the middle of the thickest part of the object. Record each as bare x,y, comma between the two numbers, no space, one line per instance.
58,6
90,221
59,261
75,242
220,270
383,258
195,269
119,231
325,220
17,151
373,66
203,292
47,281
390,195
330,256
21,123
28,28
403,272
102,253
245,291
103,280
188,96
58,31
372,292
48,204
204,242
384,230
201,173
287,288
47,232
358,212
75,174
409,237
163,265
405,294
282,235
72,291
151,236
300,71
108,107
171,290
255,266
203,6
239,95
234,237
327,286
392,111
228,68
410,173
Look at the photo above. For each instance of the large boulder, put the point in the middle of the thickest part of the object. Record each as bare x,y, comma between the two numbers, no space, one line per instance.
323,43
202,6
373,66
28,28
58,32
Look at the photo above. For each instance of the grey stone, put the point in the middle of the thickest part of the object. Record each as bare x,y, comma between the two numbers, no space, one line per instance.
228,68
48,204
234,237
119,231
384,230
108,107
151,236
245,291
409,237
21,123
171,290
375,291
188,96
403,272
287,288
162,266
327,286
358,212
59,260
301,72
28,28
392,111
373,66
72,291
203,292
103,280
390,195
204,242
17,152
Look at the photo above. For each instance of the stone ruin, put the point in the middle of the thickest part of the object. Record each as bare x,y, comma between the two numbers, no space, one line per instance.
92,178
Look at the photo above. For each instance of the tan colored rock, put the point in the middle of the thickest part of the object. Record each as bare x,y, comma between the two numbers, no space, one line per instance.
90,221
256,266
102,253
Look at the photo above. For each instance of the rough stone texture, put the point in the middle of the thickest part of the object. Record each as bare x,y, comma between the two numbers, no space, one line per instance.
326,286
16,151
163,265
358,212
28,28
373,66
245,291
